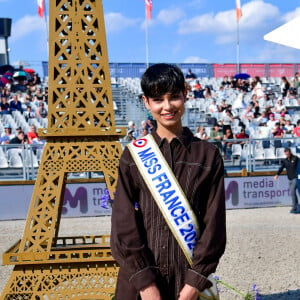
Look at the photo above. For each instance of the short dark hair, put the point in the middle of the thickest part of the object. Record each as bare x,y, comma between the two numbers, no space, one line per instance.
162,78
287,150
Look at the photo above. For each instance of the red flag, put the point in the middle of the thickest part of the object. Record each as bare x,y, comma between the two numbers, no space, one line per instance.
238,10
148,9
41,7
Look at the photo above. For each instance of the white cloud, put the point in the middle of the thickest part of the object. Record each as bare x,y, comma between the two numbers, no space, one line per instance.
115,22
26,25
195,59
272,52
170,16
255,14
291,15
195,3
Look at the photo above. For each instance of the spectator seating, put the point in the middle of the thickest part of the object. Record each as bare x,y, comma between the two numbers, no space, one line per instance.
128,105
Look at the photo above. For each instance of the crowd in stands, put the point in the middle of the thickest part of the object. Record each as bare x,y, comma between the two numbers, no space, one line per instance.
240,108
23,107
235,109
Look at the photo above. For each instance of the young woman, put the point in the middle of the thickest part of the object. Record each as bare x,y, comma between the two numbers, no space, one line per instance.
152,264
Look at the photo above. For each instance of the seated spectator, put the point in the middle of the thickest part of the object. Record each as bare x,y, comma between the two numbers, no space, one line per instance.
190,75
296,130
239,103
4,106
227,145
288,127
256,112
245,85
20,86
248,114
201,134
36,101
189,92
242,135
32,134
131,127
151,124
254,100
277,133
282,119
198,91
213,109
39,95
15,104
221,93
129,136
36,79
285,85
226,120
19,129
296,81
271,122
292,96
19,139
28,98
207,93
226,82
257,87
29,113
264,132
217,135
223,105
262,118
7,135
143,130
37,144
232,82
279,107
41,111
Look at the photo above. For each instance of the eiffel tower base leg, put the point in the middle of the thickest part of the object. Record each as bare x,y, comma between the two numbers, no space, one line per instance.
80,281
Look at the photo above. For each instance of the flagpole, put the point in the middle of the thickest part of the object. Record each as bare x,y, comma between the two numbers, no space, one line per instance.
47,27
147,44
238,47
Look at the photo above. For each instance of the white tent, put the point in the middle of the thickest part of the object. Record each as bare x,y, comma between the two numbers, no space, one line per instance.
287,34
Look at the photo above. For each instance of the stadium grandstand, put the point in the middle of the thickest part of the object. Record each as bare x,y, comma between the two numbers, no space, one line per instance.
251,116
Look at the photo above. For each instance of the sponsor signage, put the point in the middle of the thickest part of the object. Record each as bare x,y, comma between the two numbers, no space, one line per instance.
262,191
79,200
279,70
86,199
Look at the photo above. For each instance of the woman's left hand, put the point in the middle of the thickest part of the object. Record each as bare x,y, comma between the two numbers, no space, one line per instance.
188,293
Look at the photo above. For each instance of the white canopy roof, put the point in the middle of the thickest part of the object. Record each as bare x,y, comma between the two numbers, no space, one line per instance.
287,34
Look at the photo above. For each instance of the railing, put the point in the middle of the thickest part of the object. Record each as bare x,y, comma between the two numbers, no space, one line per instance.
21,162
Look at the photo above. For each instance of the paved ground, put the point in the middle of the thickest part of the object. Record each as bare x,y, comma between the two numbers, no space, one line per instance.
263,248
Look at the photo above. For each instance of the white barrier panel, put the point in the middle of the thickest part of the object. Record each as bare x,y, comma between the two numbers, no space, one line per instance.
80,200
260,191
85,199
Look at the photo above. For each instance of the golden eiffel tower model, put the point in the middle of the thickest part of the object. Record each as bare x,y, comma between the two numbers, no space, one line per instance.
81,137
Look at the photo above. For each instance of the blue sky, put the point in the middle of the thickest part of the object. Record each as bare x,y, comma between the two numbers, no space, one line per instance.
180,31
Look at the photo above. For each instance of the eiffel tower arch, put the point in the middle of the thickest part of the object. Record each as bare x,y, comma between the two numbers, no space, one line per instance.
81,137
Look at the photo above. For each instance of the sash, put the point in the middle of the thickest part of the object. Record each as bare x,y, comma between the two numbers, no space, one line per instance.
170,199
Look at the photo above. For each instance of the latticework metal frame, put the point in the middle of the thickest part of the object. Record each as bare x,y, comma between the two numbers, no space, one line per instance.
81,137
